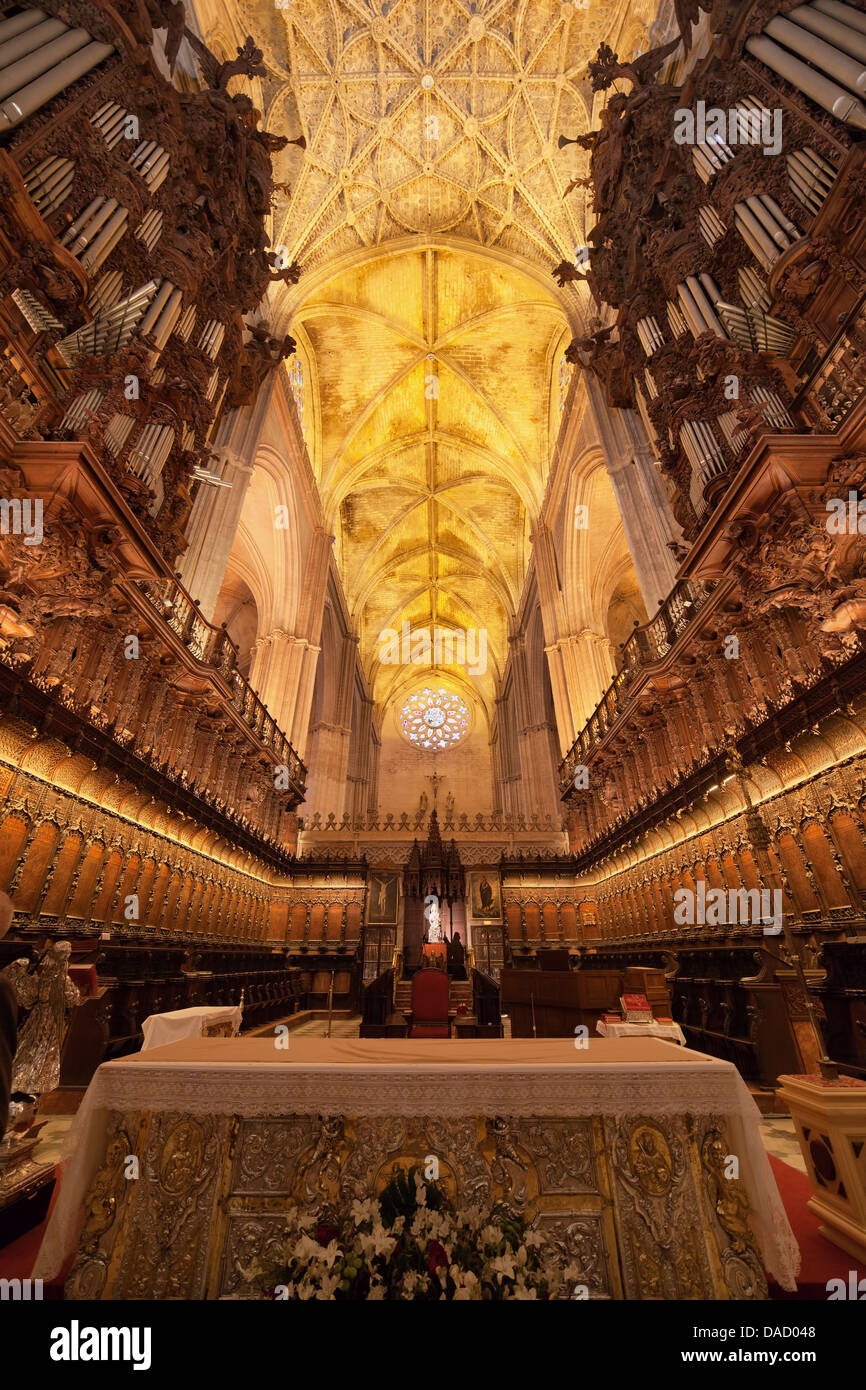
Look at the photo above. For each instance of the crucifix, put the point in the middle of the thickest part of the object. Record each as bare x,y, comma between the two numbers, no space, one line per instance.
435,780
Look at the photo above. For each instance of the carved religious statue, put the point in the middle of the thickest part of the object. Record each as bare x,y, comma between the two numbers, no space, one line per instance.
47,992
434,924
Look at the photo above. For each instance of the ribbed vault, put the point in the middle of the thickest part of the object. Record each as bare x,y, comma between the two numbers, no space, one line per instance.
426,212
425,116
434,370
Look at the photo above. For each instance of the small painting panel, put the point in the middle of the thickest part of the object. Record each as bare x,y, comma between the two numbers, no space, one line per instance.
382,900
485,896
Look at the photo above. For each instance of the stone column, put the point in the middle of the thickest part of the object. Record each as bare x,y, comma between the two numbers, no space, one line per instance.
332,736
581,669
282,673
646,514
535,743
363,764
216,512
213,524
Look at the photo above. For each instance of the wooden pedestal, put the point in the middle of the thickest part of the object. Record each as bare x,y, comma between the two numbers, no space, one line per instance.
830,1117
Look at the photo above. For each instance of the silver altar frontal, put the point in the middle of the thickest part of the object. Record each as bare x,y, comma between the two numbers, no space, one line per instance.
619,1151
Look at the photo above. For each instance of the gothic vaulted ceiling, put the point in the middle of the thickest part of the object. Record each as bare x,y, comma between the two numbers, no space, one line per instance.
426,116
426,213
432,367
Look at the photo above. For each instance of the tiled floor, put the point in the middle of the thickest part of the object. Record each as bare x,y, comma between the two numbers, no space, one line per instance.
318,1028
777,1132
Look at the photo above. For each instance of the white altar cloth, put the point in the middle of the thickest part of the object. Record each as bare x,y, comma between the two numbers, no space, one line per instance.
161,1029
671,1031
408,1077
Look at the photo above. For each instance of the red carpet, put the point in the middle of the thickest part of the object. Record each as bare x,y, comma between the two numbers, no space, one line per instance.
821,1260
17,1259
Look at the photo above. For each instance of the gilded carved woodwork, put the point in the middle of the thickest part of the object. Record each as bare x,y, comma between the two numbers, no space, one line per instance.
128,858
612,1195
68,606
783,620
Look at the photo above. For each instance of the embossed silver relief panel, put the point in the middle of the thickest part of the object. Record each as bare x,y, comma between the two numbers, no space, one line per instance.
268,1153
563,1152
165,1249
249,1236
579,1239
682,1229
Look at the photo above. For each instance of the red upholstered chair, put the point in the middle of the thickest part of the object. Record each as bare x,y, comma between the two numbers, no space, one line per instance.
430,1005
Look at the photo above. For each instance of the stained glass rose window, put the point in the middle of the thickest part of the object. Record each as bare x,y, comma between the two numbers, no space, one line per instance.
433,717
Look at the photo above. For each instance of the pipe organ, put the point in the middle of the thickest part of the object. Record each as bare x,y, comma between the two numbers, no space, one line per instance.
136,762
730,748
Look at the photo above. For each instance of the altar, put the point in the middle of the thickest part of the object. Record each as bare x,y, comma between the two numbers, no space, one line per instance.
213,1021
618,1152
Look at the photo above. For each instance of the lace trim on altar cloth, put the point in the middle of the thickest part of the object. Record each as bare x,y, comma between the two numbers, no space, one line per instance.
238,1088
404,1092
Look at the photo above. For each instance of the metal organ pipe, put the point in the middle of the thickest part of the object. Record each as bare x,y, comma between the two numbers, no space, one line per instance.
167,318
781,218
752,288
29,40
18,74
650,335
846,70
22,103
841,36
830,95
699,291
810,177
158,303
106,292
677,323
770,216
50,184
84,228
855,19
158,173
105,243
19,22
109,121
691,311
754,235
829,59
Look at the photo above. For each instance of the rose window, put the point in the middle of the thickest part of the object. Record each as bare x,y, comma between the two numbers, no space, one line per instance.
433,718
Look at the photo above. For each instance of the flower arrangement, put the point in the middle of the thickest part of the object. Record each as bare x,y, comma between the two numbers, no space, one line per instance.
407,1244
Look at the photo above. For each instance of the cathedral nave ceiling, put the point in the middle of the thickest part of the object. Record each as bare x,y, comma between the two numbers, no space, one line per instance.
426,212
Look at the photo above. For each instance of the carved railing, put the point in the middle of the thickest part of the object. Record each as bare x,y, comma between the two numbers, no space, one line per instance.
647,646
20,404
211,646
419,821
838,383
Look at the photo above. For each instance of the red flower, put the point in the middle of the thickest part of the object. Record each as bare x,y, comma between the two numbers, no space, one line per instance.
436,1257
325,1234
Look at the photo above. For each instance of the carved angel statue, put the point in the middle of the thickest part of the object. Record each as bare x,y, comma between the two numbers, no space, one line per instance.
217,75
640,71
47,993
